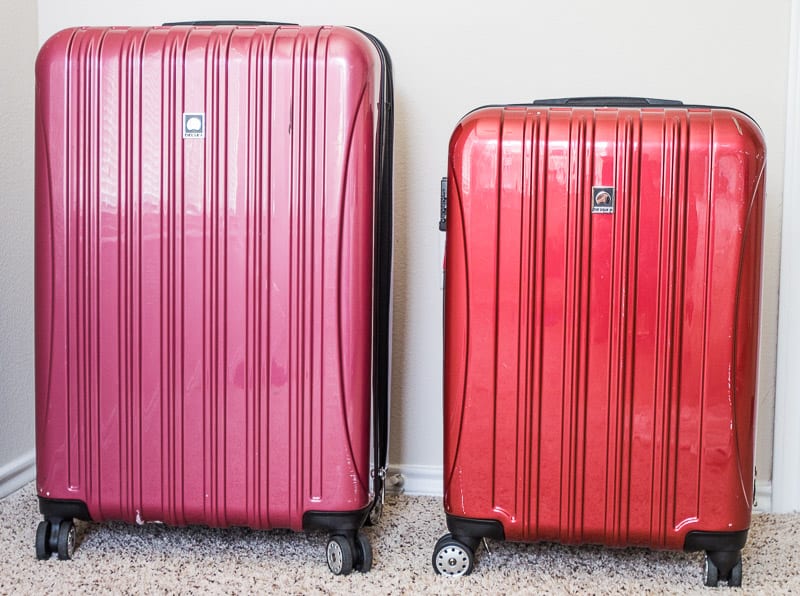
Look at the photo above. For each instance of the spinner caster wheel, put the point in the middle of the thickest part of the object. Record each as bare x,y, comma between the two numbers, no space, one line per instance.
66,540
711,574
715,570
363,554
735,578
43,551
452,557
340,555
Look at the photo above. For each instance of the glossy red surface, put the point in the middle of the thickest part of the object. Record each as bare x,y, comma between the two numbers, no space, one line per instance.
204,305
600,369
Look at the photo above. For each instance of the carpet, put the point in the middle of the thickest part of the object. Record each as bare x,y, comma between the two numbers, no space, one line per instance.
155,559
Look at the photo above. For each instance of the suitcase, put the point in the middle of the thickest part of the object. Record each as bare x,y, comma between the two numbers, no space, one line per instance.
603,264
213,268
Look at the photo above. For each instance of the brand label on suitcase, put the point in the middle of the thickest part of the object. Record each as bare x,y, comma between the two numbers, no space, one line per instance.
603,199
194,126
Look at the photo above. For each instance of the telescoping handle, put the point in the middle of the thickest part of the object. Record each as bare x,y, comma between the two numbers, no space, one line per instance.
224,23
610,102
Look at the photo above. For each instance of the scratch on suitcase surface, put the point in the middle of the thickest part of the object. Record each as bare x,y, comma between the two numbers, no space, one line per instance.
141,521
730,380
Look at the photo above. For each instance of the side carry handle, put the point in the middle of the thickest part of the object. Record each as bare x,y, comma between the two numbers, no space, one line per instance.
443,206
223,23
610,102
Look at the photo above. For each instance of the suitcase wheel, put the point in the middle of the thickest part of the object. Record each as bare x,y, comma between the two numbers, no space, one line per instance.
66,540
711,575
346,553
715,568
55,536
340,555
735,578
452,558
363,554
43,551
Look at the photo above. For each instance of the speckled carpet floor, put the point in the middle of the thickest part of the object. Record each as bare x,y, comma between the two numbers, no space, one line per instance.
153,559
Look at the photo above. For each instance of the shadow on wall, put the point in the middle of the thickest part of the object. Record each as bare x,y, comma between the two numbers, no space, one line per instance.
400,282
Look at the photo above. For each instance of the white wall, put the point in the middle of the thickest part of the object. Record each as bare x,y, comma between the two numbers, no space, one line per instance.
785,468
18,50
450,58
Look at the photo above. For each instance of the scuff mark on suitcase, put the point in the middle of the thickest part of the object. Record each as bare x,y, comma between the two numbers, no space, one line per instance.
738,127
140,521
730,381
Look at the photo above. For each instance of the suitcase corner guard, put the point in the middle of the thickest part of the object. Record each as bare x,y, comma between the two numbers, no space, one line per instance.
336,521
715,541
63,509
475,528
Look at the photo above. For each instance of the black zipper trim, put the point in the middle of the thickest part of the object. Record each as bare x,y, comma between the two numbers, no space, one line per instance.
382,269
223,23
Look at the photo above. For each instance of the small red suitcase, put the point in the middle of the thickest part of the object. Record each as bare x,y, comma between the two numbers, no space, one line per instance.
213,254
601,327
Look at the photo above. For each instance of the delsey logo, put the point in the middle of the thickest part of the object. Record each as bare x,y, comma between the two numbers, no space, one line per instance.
603,199
194,126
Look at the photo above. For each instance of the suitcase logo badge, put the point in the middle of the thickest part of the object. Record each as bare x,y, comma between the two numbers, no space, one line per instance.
194,126
603,199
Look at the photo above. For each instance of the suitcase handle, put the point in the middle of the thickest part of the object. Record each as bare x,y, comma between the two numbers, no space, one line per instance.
615,102
223,23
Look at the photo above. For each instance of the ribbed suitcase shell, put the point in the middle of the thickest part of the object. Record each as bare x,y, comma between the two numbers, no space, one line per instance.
204,305
600,368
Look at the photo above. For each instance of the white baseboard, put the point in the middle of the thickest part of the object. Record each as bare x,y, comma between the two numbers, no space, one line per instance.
415,480
763,502
17,473
427,480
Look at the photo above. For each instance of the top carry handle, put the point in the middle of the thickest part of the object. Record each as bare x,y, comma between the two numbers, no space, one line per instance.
223,23
611,102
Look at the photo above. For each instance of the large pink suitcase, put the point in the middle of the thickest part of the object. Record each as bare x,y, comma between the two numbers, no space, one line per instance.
213,249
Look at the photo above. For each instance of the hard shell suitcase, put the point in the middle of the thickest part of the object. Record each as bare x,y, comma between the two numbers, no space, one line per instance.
603,264
213,255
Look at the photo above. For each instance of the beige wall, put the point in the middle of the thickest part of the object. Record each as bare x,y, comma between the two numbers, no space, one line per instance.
18,48
450,58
